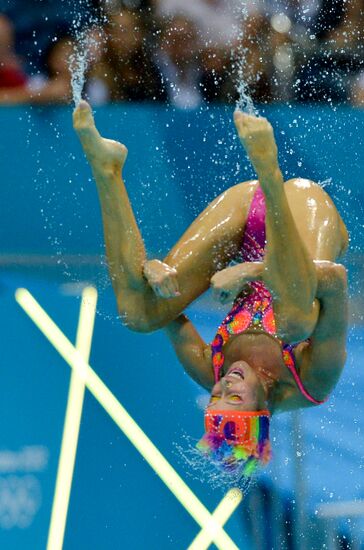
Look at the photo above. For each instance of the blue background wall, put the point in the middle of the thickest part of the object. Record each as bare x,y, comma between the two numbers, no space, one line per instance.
51,239
178,158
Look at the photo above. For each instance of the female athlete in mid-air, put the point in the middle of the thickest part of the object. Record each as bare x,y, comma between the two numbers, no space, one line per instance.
282,345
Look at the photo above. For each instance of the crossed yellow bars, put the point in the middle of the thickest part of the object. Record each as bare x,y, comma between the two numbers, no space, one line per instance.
83,375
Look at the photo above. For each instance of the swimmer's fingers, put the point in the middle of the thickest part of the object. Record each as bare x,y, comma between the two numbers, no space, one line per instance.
224,284
227,296
159,291
166,289
221,292
162,278
171,285
232,281
223,296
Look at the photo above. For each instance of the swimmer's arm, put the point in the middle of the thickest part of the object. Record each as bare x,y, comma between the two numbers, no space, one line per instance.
321,362
193,353
231,281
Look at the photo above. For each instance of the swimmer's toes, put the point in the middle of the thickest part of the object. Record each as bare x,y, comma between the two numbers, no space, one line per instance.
83,120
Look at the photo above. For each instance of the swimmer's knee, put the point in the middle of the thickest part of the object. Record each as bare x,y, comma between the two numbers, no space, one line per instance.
139,325
293,333
302,184
137,322
296,326
137,315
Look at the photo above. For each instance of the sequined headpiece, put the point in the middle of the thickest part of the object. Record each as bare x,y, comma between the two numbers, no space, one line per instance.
236,441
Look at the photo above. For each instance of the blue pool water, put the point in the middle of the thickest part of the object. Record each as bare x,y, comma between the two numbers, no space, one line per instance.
52,245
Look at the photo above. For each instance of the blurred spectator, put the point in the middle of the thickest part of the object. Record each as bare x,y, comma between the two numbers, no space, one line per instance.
301,13
127,67
179,63
254,58
348,32
327,75
216,21
37,23
357,90
114,6
53,88
217,79
201,50
12,75
96,88
330,15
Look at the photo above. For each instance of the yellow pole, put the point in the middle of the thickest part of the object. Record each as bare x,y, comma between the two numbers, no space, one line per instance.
124,421
221,514
72,424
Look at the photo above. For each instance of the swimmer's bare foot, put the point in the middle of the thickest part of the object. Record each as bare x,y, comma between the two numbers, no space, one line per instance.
256,136
103,154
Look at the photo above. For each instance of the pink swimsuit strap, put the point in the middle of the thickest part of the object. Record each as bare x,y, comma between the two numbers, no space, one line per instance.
290,362
256,309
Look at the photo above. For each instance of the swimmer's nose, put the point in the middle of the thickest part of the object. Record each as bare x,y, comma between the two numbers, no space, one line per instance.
226,384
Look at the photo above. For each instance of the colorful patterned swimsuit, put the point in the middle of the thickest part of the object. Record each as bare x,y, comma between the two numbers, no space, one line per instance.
254,311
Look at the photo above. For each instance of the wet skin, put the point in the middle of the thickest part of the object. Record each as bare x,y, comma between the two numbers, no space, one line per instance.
305,235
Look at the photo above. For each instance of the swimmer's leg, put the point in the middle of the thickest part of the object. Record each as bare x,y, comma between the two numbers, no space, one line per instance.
206,246
124,245
289,268
318,222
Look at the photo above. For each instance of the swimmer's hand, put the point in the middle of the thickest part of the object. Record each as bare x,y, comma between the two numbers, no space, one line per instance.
230,282
162,278
106,156
257,137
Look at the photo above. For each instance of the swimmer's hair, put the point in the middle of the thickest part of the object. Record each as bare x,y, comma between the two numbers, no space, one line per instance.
236,441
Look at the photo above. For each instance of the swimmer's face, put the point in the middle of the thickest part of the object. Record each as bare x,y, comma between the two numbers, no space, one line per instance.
239,389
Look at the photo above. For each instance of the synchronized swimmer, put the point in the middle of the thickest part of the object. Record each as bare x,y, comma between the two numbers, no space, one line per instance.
282,344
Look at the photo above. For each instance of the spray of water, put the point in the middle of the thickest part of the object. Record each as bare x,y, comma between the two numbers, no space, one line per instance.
88,39
84,54
244,101
202,468
79,62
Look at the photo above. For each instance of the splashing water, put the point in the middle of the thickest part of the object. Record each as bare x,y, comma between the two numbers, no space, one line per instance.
244,101
199,467
83,55
78,65
87,42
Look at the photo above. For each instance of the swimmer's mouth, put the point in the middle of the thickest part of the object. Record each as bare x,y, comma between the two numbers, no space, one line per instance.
236,372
